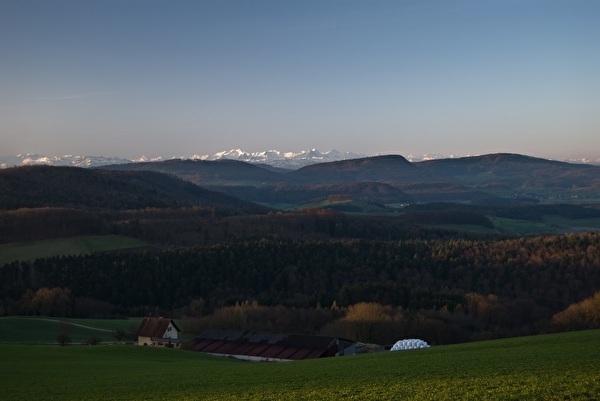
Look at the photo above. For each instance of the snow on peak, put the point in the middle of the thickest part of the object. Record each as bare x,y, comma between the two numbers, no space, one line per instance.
145,159
32,159
277,158
427,156
271,157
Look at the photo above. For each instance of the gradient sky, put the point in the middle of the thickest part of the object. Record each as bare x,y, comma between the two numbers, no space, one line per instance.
176,78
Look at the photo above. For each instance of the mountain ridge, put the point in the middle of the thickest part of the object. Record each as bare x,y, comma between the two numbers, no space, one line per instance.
62,186
357,170
500,176
272,158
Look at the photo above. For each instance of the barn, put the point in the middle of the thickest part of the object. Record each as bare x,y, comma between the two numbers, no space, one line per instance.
265,346
158,332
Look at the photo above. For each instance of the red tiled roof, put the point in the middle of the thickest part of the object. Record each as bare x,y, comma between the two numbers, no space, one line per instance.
258,350
243,349
273,351
288,352
212,346
154,327
265,345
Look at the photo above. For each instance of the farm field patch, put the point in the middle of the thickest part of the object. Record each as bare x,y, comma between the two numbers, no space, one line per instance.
549,367
39,330
549,225
44,330
65,246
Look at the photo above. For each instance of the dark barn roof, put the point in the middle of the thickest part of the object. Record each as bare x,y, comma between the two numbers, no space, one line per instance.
266,345
154,327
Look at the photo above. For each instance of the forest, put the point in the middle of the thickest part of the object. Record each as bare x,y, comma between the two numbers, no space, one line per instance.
482,288
445,271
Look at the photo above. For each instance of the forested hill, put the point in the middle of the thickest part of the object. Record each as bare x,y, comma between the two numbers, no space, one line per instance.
218,172
44,186
513,171
495,177
522,281
378,168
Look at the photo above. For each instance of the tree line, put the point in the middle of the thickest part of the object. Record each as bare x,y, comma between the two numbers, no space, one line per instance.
551,271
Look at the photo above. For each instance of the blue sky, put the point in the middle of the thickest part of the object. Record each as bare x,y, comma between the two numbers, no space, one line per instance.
177,78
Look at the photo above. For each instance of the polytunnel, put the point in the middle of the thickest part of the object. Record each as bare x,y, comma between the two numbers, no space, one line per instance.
410,343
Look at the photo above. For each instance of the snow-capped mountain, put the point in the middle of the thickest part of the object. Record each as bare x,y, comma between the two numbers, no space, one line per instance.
65,160
436,156
584,160
427,156
275,158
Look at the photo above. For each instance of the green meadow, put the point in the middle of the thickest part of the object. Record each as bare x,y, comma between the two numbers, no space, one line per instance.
348,206
550,367
65,246
42,330
549,225
516,227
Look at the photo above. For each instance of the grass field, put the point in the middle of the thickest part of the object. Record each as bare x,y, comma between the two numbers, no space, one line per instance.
553,367
348,206
41,330
573,225
515,227
549,225
65,246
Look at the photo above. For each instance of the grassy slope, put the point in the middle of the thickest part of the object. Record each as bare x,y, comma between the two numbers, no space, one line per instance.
553,367
350,206
550,225
65,246
35,330
32,330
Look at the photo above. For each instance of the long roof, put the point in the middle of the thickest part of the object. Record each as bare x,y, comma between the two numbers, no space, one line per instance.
265,345
154,327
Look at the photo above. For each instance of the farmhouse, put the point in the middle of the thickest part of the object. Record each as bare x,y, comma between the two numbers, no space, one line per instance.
158,332
263,346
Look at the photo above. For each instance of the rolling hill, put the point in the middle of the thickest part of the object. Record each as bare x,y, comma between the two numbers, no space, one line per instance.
43,186
550,367
206,172
293,194
497,178
378,168
513,171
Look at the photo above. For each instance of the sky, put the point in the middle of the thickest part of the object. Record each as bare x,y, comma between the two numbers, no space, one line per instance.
176,78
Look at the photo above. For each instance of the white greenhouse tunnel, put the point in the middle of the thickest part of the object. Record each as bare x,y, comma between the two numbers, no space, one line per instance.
411,343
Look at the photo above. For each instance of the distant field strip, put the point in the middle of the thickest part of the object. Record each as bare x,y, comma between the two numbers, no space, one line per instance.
43,330
44,319
552,367
66,246
40,330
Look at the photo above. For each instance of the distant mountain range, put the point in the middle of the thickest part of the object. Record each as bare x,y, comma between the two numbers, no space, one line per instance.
65,160
497,178
276,158
273,158
155,200
45,186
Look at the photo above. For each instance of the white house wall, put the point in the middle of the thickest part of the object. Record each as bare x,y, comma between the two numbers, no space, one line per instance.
144,340
171,332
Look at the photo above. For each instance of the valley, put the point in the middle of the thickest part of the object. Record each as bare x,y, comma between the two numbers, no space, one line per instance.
442,243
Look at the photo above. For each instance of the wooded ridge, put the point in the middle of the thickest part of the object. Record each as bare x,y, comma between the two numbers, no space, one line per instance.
454,270
530,278
468,179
